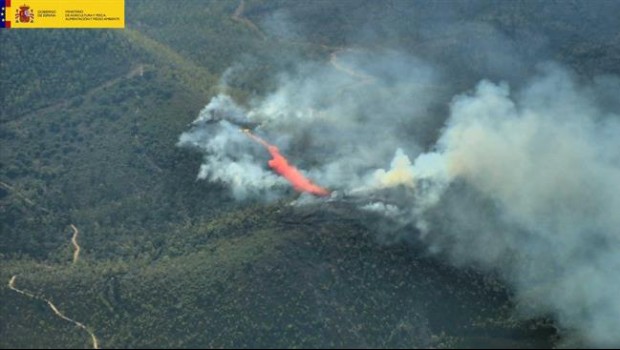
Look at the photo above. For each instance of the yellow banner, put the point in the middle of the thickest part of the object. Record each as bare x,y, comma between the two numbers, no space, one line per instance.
65,13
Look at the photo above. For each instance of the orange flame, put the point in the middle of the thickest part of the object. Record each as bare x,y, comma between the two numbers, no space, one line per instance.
281,166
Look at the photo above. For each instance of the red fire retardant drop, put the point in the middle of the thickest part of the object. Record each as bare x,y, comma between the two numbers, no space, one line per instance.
281,166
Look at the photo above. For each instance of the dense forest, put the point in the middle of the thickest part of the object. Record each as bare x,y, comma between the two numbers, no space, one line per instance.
89,120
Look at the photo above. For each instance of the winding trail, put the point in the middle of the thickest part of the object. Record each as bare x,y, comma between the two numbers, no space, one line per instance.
76,252
333,60
20,195
238,16
12,189
361,79
55,310
65,102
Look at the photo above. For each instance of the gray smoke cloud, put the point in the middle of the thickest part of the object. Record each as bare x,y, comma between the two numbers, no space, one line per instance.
537,196
337,121
228,156
525,183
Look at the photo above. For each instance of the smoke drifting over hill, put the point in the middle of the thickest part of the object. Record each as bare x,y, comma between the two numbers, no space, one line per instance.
331,121
523,181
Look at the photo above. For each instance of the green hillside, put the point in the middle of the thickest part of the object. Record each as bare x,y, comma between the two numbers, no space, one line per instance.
88,125
277,284
92,155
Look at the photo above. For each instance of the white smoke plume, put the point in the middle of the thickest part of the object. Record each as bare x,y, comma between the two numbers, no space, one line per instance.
337,121
525,183
536,195
229,157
